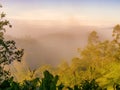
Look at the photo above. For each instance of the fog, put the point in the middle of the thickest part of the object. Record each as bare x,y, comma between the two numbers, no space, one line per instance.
51,43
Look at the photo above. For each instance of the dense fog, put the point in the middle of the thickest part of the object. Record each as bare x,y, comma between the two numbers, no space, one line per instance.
51,43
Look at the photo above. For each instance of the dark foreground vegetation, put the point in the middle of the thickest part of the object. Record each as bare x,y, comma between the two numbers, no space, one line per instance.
49,82
97,67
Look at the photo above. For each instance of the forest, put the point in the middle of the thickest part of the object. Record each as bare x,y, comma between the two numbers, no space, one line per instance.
96,68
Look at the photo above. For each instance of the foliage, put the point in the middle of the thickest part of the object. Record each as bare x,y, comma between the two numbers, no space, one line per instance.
48,82
116,86
90,85
9,84
8,49
30,84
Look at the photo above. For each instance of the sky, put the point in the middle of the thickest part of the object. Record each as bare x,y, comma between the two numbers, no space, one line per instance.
86,12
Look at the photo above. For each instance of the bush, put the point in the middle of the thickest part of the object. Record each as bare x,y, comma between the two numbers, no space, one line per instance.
90,85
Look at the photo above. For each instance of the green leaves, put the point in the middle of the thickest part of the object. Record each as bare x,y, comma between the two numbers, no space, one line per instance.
48,82
90,85
9,84
30,84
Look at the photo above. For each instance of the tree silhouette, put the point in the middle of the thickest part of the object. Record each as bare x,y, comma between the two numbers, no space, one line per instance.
8,49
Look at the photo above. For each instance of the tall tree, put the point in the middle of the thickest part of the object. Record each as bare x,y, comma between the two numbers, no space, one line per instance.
8,50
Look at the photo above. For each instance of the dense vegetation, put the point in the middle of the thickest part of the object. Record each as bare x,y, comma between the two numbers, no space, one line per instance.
97,67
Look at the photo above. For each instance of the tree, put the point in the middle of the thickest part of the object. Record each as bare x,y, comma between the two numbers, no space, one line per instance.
93,38
103,57
8,50
116,32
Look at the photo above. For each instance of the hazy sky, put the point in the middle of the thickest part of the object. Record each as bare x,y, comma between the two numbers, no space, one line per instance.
88,12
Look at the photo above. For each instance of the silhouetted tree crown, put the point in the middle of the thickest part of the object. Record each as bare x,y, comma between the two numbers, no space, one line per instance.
8,50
